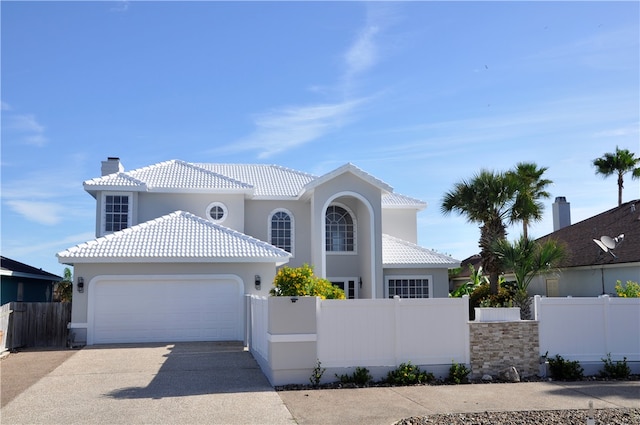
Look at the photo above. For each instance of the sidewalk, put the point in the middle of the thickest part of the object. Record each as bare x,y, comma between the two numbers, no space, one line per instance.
387,405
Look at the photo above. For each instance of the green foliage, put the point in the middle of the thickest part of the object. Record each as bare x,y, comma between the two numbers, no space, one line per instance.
300,281
408,374
458,373
482,297
630,290
64,288
565,370
615,370
360,376
316,375
476,278
619,163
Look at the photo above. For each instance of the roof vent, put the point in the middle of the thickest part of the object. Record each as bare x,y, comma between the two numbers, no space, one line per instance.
561,213
111,165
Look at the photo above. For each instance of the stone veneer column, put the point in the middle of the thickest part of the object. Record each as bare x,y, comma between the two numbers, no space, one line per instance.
498,345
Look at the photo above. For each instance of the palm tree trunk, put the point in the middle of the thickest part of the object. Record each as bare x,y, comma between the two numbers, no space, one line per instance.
620,186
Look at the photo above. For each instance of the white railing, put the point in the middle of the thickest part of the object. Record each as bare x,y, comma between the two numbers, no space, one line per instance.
387,332
587,329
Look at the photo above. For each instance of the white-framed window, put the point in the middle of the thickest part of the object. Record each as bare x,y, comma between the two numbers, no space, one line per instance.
339,229
216,212
409,286
281,229
116,211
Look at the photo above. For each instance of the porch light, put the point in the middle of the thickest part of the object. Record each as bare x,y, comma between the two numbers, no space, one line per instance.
257,282
80,284
360,282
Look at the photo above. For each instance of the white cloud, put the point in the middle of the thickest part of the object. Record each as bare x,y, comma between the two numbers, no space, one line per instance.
363,53
26,128
4,106
67,242
287,128
290,127
46,213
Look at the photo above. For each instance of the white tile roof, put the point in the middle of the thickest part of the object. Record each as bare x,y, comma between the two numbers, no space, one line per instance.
400,253
176,237
268,180
396,200
173,175
261,180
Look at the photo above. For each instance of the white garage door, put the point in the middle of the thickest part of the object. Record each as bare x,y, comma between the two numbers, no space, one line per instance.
163,309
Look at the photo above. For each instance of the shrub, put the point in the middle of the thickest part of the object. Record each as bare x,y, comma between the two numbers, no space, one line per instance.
482,296
630,290
360,376
615,370
300,281
565,370
458,373
316,375
408,374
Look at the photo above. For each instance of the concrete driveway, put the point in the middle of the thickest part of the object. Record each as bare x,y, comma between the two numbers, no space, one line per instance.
187,383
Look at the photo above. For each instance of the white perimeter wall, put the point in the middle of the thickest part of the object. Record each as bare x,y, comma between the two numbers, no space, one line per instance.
380,334
586,329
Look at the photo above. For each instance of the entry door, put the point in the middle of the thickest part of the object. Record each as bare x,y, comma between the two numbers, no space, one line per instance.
348,285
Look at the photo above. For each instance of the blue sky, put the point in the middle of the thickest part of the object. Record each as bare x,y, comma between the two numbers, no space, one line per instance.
419,94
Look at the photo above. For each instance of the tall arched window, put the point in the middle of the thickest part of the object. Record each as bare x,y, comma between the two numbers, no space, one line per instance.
281,230
339,230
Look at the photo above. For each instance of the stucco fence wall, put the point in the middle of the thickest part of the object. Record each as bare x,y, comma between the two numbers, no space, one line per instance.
289,336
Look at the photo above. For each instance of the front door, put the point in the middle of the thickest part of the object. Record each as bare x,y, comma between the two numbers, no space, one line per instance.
348,285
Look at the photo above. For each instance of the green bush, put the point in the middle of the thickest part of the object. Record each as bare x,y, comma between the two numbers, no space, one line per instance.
300,281
630,290
360,376
316,375
458,373
615,370
408,374
565,370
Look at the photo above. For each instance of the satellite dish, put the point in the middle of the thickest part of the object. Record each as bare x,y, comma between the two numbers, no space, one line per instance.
601,245
609,242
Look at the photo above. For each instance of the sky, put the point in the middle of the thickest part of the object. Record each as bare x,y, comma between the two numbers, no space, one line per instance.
421,95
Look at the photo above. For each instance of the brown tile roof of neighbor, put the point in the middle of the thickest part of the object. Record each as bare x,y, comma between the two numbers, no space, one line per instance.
579,239
584,251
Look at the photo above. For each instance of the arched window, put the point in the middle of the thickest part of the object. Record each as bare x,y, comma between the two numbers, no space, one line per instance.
281,230
339,230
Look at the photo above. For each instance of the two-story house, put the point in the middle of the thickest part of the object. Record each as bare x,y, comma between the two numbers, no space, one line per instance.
179,245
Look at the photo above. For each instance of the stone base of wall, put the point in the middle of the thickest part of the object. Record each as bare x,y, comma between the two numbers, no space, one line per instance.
498,345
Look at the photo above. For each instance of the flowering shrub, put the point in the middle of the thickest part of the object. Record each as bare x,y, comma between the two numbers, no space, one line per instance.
630,290
300,281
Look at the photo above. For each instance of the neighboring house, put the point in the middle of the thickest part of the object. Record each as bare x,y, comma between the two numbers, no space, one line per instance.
592,268
179,245
24,283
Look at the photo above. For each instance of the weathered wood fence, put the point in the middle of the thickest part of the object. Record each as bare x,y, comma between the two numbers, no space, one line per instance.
34,324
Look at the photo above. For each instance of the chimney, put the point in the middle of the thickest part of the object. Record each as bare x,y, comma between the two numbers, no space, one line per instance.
561,213
111,165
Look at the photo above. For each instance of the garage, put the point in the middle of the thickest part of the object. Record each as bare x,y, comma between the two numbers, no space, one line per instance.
164,308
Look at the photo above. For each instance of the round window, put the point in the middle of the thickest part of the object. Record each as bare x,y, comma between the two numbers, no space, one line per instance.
216,212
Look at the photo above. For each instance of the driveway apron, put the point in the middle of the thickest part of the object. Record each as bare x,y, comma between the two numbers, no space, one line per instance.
186,383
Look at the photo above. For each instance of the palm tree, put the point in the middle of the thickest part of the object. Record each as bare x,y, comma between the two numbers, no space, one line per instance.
527,206
620,163
526,258
486,199
64,288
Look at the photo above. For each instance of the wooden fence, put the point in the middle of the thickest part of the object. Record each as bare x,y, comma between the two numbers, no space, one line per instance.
35,324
